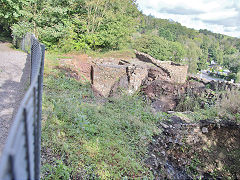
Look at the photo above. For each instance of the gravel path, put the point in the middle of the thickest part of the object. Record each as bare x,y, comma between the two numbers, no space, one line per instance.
14,79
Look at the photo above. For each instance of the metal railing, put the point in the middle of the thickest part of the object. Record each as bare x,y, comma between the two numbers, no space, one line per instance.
21,155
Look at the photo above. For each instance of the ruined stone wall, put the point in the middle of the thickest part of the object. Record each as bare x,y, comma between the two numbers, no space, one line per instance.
176,72
106,79
103,77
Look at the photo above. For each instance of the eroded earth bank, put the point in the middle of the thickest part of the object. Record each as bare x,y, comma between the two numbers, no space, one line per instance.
195,141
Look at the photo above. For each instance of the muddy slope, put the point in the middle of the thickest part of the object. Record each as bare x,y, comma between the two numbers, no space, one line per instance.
195,150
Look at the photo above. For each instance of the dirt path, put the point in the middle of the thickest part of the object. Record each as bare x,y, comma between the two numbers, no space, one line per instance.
14,79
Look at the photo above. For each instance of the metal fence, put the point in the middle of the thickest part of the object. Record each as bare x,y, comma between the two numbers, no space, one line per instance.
21,155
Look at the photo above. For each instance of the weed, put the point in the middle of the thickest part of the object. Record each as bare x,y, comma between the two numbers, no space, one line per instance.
92,139
57,171
229,106
188,103
194,166
208,86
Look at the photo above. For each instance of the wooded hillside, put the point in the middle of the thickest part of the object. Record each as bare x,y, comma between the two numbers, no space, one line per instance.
102,25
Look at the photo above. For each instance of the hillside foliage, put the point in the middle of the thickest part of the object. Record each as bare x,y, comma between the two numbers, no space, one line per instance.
103,25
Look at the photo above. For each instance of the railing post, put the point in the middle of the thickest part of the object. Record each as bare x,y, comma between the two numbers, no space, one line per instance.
27,142
11,159
39,119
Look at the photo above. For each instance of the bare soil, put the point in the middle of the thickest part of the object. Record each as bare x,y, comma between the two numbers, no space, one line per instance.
78,66
203,150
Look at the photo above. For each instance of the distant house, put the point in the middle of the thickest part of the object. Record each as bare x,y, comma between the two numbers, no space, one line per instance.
213,63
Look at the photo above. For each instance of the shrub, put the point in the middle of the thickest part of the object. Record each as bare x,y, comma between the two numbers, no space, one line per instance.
188,103
20,29
229,106
238,77
160,48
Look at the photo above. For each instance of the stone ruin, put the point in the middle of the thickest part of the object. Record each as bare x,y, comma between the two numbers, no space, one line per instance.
176,72
108,77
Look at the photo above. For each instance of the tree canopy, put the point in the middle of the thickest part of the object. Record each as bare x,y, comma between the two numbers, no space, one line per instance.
74,25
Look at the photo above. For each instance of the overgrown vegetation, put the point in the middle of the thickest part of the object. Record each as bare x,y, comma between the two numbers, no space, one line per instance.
228,107
87,138
214,105
72,25
160,48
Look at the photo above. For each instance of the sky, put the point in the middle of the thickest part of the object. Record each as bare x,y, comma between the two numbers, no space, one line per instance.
219,16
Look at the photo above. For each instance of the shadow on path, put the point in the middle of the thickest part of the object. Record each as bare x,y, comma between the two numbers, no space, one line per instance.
11,94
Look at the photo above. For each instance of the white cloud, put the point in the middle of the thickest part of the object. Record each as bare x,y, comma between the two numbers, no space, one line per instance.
220,16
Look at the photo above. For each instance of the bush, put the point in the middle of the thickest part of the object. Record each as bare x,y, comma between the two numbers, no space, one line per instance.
160,48
238,77
20,29
188,103
229,106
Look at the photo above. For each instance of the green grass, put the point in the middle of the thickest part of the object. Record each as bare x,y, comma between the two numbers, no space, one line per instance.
84,138
52,61
200,114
